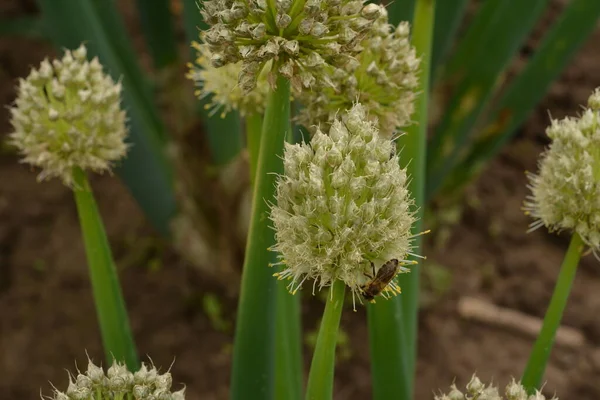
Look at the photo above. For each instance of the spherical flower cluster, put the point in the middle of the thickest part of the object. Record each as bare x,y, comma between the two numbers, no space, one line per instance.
67,114
383,77
119,383
302,36
342,204
565,194
221,85
476,390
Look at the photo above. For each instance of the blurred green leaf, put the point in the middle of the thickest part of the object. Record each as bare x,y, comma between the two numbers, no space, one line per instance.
518,100
29,26
146,170
473,73
448,16
400,10
157,24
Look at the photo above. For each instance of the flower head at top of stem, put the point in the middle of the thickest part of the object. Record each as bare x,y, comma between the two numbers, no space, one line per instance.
119,383
477,390
343,207
383,77
302,36
565,193
221,85
67,114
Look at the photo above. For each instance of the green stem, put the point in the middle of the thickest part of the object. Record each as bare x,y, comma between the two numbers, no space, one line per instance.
320,377
288,342
253,130
112,314
288,355
534,371
393,323
253,350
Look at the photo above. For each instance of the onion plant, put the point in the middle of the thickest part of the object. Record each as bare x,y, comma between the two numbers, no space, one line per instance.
340,211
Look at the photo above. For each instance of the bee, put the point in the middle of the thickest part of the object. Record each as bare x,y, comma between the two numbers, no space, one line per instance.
380,280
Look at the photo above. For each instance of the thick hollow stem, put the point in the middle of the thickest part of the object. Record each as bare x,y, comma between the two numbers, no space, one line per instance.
110,306
534,371
253,131
253,350
320,377
393,327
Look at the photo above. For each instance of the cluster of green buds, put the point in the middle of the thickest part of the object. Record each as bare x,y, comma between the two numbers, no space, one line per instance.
565,194
119,383
67,115
220,85
477,390
300,36
383,77
342,204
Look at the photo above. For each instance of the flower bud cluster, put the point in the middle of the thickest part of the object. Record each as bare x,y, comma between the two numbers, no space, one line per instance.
476,390
301,36
383,77
220,84
565,194
342,203
119,383
67,114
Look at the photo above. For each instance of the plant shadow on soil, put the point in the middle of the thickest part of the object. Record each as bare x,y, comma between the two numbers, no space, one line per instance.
48,318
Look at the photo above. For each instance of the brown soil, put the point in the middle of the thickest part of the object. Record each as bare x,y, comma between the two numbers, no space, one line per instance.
48,318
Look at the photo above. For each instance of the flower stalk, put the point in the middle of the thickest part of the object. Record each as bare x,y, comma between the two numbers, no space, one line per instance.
110,306
392,356
538,359
320,377
253,353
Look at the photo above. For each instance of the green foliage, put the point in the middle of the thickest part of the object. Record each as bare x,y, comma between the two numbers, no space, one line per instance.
157,25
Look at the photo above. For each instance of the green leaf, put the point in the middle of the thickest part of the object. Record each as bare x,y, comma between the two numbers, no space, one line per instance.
400,10
473,75
157,25
224,135
146,170
393,326
518,100
31,27
253,352
110,306
448,16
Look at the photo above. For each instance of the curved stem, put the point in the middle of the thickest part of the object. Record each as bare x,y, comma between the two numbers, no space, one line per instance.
534,371
110,306
253,348
320,377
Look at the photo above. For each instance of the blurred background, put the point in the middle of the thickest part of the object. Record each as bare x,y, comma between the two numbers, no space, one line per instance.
481,264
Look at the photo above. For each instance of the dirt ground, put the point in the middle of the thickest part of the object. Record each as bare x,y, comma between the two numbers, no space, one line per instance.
48,318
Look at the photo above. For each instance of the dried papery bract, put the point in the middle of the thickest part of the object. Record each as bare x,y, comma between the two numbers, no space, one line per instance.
119,383
300,36
565,193
475,389
67,114
382,77
220,85
342,203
